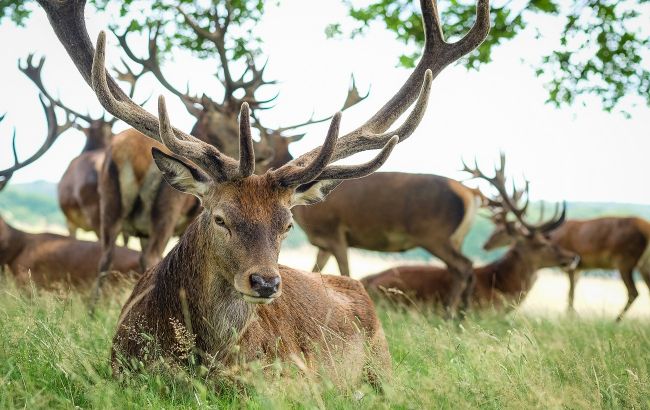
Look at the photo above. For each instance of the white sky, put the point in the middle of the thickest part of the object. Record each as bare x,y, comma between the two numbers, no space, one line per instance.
578,153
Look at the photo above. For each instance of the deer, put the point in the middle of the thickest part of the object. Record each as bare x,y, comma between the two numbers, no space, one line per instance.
77,190
134,199
49,260
621,243
239,303
500,284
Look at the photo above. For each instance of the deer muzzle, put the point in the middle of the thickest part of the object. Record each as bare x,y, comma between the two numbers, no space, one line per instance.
259,285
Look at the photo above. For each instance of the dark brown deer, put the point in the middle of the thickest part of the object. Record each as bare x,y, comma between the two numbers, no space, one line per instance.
51,260
621,243
505,282
223,273
395,212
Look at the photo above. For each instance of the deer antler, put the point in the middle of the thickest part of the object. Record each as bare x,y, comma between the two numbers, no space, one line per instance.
66,17
54,130
437,55
352,98
33,72
511,202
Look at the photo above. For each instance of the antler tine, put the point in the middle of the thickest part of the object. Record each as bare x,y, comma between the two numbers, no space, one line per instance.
246,151
33,72
219,166
294,176
150,64
352,98
54,130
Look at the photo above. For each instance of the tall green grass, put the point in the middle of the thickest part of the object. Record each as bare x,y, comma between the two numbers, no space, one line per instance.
54,355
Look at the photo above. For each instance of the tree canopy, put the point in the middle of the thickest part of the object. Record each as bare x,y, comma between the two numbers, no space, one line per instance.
604,48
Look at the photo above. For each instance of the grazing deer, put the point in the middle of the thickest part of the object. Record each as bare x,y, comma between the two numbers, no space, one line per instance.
621,243
49,260
505,282
223,273
77,189
134,199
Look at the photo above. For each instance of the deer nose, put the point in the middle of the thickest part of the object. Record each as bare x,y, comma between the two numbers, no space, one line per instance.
265,286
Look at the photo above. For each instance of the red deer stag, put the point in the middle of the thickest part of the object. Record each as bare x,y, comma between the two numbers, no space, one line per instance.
223,273
621,243
49,260
133,198
505,282
77,189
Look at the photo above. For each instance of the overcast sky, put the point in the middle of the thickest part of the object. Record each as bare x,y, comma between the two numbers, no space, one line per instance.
578,153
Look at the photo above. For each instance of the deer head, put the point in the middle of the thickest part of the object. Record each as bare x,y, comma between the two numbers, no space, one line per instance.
530,240
246,216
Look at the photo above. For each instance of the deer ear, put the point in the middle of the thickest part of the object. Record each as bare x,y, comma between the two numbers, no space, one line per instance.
181,175
314,192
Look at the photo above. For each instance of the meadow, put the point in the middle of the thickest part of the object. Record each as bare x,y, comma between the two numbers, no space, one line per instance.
53,354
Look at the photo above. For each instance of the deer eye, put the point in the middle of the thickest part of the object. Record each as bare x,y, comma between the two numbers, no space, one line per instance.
219,221
288,228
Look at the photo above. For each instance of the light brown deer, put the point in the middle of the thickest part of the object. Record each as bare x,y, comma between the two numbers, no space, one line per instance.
621,243
223,273
49,260
503,283
77,190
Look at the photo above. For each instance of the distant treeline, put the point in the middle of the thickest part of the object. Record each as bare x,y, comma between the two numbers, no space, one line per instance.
35,204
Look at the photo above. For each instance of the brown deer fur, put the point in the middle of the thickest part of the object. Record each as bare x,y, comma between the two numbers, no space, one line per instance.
621,243
78,188
49,259
505,282
393,212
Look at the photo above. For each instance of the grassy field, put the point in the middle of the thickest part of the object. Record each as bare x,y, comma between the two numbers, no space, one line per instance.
54,355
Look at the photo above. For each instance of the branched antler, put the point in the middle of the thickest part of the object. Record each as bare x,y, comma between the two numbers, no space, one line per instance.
512,202
67,19
54,130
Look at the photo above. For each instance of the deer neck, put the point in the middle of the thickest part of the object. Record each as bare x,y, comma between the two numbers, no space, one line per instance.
13,245
511,273
218,315
93,144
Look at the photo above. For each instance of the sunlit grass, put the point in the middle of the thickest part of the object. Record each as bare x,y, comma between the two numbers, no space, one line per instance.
53,355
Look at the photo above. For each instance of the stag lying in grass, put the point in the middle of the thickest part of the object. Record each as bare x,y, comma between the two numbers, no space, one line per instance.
221,283
505,282
603,243
51,260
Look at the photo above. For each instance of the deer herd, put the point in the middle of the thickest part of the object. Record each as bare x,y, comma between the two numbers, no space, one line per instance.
232,199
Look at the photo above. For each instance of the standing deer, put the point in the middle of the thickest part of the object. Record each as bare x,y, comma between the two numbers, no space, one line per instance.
621,243
77,190
49,260
505,282
224,273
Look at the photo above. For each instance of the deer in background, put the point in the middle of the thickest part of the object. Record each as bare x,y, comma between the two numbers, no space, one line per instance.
77,190
505,282
223,273
134,199
49,260
621,243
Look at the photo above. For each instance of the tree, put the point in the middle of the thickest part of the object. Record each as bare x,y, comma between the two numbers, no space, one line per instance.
603,50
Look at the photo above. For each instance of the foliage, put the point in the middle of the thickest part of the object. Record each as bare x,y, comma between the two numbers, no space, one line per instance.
53,354
603,49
